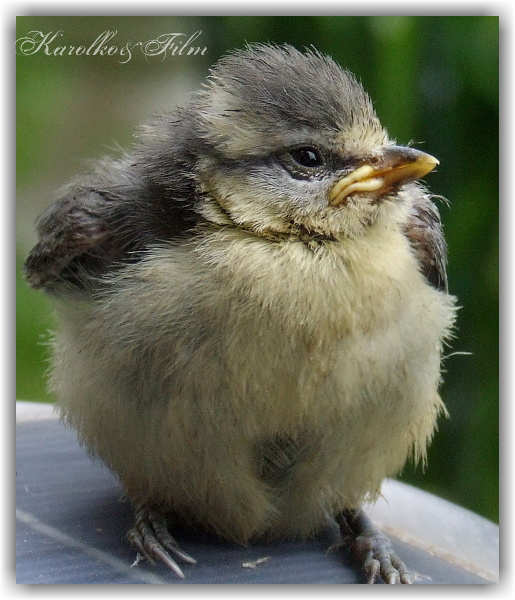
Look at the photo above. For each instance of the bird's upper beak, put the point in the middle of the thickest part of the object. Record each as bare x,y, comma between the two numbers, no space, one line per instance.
396,164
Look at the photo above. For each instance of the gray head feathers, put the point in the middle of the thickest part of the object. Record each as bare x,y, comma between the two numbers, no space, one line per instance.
265,96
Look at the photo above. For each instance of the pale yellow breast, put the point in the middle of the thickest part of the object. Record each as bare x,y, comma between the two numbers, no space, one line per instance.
204,352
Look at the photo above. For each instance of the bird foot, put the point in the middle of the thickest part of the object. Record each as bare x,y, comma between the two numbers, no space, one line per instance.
373,549
378,557
150,536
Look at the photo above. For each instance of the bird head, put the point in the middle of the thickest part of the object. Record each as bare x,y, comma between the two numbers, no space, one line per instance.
291,143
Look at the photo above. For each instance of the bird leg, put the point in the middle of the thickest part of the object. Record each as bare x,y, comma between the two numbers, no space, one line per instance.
372,548
151,538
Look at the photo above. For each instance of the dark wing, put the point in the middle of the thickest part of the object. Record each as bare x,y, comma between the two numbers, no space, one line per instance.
74,237
93,228
425,234
112,215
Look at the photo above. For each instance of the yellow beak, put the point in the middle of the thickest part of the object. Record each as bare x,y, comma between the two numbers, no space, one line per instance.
396,164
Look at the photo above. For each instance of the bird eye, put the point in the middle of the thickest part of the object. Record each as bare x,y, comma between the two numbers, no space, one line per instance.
307,157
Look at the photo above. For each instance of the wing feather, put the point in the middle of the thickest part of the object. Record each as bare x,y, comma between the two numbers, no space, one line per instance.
425,234
73,230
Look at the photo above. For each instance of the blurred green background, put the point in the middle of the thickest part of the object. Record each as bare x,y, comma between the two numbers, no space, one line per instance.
434,80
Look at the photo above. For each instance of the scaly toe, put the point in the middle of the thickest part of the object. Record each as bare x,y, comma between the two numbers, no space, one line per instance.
379,558
150,536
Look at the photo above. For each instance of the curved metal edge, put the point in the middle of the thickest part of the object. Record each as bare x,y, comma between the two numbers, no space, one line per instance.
34,411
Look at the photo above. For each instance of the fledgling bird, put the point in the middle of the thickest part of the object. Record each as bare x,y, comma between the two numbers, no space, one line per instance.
252,304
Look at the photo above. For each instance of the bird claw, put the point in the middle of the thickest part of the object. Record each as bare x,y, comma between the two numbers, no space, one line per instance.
378,557
373,549
151,538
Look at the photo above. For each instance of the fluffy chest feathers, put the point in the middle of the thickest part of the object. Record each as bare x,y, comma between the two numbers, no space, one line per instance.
272,376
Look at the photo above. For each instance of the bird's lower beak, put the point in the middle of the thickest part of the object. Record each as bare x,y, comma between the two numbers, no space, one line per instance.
396,165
